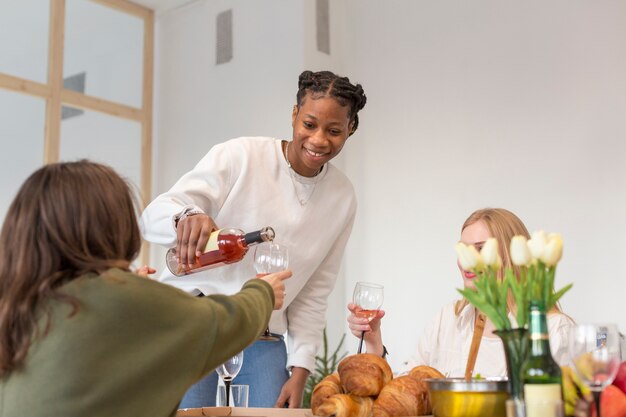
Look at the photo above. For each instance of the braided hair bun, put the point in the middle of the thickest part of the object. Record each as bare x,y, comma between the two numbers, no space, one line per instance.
326,83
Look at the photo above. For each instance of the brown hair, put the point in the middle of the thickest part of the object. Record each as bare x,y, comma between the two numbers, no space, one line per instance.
502,225
68,219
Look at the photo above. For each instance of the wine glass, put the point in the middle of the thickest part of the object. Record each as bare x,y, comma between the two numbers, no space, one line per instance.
270,257
595,352
228,371
368,297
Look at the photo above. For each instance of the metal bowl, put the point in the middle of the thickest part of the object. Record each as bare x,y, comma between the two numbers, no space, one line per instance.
456,397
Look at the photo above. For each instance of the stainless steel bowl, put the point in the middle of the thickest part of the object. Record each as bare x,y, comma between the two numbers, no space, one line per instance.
456,397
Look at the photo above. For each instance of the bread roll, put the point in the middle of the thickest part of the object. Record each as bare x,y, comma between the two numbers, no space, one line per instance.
403,396
423,372
344,405
327,387
364,374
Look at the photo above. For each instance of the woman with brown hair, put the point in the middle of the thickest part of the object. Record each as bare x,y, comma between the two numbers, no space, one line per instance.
80,335
445,343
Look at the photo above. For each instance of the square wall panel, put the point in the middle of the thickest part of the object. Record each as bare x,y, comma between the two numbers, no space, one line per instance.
106,46
24,27
22,125
106,139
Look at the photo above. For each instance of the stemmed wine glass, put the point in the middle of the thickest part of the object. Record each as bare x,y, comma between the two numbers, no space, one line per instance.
368,297
270,257
228,371
595,351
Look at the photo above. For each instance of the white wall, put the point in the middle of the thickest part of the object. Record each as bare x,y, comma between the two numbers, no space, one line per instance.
507,104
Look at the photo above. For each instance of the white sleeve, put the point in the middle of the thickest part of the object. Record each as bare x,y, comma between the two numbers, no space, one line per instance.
560,326
204,188
424,347
306,315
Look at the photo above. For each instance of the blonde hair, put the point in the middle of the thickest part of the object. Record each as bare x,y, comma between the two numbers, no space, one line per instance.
502,225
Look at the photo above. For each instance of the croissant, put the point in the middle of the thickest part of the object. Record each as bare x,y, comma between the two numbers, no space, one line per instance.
344,405
403,396
423,372
364,374
327,387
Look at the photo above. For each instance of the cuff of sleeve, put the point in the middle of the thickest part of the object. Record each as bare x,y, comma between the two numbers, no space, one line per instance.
301,360
186,211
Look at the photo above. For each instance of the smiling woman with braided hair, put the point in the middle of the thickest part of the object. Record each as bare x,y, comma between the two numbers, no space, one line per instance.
291,185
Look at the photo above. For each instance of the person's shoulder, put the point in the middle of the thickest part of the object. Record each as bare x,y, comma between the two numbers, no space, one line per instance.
247,147
119,283
251,142
446,314
558,320
338,180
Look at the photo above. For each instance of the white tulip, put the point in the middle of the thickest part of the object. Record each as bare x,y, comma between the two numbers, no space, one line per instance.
537,244
469,258
554,250
489,252
520,254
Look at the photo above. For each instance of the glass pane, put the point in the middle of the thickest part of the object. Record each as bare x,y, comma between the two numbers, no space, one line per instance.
22,125
104,46
102,138
24,38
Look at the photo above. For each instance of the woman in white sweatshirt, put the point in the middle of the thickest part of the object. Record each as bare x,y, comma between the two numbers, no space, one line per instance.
251,182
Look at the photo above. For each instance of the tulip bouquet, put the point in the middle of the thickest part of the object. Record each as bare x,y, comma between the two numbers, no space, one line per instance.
530,278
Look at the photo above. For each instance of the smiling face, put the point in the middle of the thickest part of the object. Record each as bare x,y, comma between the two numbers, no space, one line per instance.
475,234
321,127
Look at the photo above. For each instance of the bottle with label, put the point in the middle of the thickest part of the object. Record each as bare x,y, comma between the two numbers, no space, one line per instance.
541,375
225,246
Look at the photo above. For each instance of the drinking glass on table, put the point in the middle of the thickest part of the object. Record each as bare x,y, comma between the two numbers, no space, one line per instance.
228,371
595,351
368,297
270,257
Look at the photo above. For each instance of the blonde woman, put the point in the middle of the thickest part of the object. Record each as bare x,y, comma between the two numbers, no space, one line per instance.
445,342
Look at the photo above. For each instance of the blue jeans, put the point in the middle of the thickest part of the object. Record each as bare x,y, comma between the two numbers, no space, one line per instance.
264,370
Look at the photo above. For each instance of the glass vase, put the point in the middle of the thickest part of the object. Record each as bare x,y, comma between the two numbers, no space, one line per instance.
516,347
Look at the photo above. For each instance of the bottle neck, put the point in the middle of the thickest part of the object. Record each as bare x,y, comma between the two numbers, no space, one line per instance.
538,333
264,235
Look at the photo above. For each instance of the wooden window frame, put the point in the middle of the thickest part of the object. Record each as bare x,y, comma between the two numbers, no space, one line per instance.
56,95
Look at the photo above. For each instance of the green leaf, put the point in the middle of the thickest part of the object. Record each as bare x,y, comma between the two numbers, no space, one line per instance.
556,296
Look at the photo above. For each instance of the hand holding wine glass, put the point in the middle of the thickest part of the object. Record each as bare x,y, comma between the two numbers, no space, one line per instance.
228,371
596,355
278,286
270,257
368,299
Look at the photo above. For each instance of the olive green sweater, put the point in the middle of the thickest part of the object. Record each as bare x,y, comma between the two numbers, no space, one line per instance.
133,348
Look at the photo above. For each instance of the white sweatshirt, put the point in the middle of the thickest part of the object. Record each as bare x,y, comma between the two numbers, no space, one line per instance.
446,341
245,183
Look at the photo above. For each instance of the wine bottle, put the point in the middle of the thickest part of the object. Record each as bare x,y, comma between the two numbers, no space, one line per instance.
541,375
225,246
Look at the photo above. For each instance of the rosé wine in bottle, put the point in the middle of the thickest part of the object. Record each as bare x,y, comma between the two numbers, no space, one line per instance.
225,246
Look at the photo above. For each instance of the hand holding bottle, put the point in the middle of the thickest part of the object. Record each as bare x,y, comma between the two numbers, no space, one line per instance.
276,281
358,324
192,235
224,246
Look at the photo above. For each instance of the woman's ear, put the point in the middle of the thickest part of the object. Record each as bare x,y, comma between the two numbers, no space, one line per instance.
294,114
352,127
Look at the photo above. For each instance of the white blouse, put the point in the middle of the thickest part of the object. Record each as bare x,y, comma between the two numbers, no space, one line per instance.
445,344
